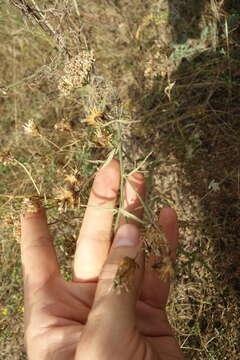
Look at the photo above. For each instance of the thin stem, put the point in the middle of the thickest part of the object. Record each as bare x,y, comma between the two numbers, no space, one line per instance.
118,122
11,196
30,176
140,165
76,7
120,154
50,142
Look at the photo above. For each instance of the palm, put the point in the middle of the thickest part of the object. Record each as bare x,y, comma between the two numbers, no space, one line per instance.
65,311
58,312
63,315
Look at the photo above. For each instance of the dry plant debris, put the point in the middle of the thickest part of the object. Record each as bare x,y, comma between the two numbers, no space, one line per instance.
174,66
124,277
30,128
67,198
76,72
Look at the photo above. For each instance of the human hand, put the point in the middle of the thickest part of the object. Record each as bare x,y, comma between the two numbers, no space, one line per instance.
82,319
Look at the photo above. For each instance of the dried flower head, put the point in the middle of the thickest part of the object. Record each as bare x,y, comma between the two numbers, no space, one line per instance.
66,197
102,138
93,115
31,205
76,72
7,158
125,273
165,268
72,179
63,125
30,128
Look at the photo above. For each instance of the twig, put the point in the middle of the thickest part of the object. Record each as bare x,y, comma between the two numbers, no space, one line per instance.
28,173
36,14
76,7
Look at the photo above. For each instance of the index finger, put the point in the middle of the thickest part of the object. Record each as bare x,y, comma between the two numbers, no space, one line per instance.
96,231
37,251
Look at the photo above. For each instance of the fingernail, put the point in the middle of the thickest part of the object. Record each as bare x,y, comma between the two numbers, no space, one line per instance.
127,235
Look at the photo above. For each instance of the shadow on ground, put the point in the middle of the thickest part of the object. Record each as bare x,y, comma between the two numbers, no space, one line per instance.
197,122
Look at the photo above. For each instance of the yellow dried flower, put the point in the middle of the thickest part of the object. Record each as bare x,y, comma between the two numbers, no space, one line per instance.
66,197
94,114
30,128
102,138
72,179
76,72
125,273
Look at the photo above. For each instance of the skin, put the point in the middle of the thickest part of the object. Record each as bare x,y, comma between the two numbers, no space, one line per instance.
83,318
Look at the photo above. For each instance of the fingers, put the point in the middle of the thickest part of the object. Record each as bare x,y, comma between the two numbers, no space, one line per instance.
154,291
120,279
134,192
96,231
37,251
113,313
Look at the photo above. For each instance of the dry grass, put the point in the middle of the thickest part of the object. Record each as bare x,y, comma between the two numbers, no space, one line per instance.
172,68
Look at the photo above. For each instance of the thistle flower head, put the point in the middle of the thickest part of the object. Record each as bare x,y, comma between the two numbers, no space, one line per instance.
94,114
72,179
66,197
102,138
30,128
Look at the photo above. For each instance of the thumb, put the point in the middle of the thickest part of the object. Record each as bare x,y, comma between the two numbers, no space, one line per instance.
121,276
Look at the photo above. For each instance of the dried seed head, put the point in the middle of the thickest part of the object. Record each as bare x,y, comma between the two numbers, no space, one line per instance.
7,158
102,138
93,115
30,128
72,179
165,268
31,205
76,72
66,197
125,273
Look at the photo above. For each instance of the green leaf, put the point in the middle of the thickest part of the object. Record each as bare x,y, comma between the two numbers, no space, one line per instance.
131,216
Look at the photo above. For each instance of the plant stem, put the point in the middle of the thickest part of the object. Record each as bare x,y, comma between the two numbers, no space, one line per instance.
30,176
120,154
